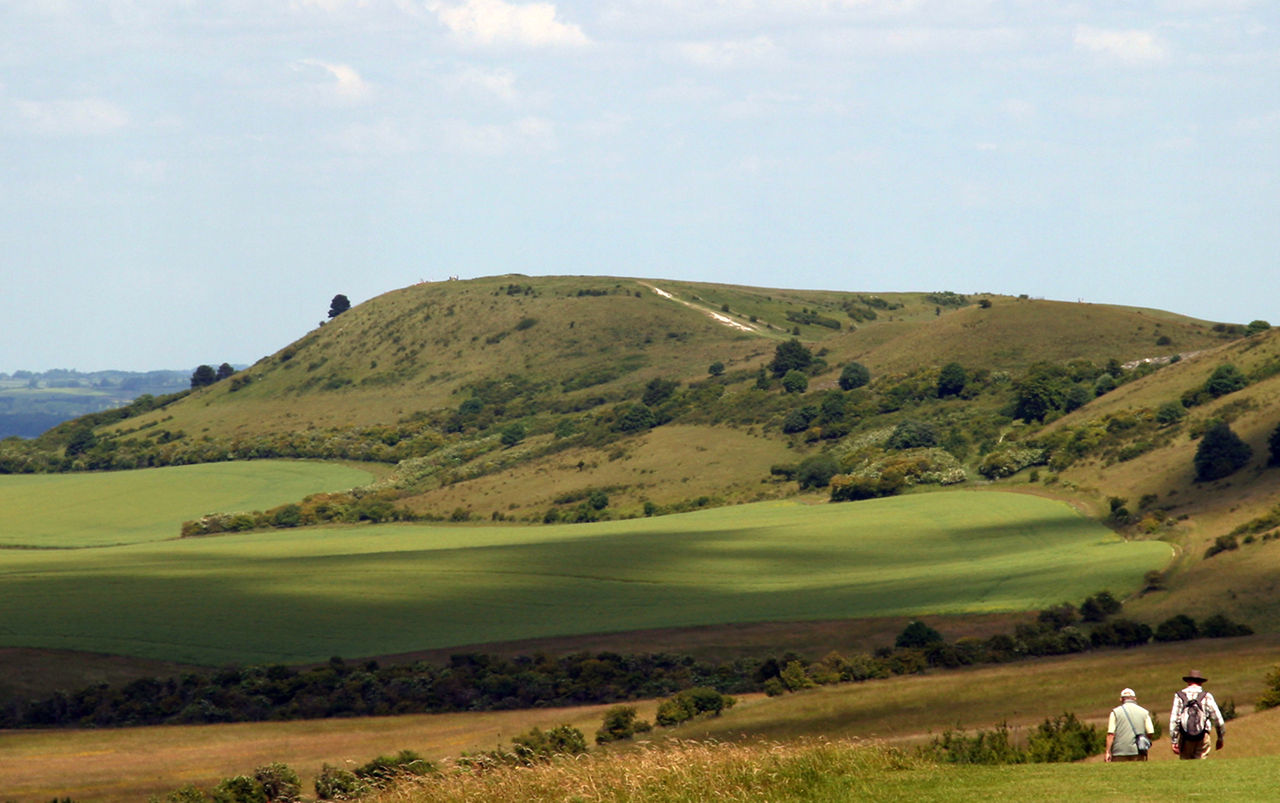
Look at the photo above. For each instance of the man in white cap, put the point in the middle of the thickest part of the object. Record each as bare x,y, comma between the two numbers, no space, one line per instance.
1129,730
1194,711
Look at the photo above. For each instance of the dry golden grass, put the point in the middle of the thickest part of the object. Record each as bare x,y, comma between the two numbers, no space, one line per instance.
673,771
666,465
126,765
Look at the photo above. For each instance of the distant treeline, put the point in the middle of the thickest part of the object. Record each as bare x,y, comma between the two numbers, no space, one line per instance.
479,682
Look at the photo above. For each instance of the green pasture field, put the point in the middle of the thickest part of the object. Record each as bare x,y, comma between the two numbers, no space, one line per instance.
125,507
305,595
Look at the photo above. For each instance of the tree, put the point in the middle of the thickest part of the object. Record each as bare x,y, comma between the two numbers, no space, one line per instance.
1171,412
1226,378
1273,444
635,418
816,471
790,356
203,376
338,305
716,368
795,382
912,435
917,635
854,375
513,433
951,380
658,390
1038,394
1255,327
798,420
1220,453
1177,628
225,370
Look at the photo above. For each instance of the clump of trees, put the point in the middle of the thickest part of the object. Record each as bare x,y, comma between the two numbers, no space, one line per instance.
1221,453
206,375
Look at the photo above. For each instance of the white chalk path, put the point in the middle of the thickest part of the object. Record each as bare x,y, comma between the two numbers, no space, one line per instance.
718,317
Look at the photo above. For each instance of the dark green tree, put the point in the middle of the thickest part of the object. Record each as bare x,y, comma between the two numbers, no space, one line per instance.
82,440
816,471
1273,444
1220,453
716,368
1177,628
513,433
912,435
338,305
1038,394
1226,378
203,376
224,371
658,390
916,635
798,420
790,356
951,380
854,375
635,418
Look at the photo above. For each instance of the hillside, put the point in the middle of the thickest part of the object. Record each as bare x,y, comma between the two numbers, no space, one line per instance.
519,398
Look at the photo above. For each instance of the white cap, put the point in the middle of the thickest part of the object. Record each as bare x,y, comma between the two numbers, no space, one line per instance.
1128,693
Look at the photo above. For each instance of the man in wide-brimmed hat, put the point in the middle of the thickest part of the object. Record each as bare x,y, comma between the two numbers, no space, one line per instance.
1129,730
1194,711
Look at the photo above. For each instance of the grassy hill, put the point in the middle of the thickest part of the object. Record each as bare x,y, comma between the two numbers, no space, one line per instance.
513,398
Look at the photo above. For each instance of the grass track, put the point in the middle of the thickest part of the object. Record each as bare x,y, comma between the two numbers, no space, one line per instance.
300,596
125,507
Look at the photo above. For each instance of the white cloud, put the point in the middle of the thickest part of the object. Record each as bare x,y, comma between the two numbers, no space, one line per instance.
1129,47
494,22
730,54
80,117
344,83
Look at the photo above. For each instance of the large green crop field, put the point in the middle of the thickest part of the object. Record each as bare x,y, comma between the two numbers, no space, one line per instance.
124,507
304,595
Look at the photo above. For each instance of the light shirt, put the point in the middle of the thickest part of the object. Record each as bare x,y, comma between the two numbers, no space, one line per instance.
1125,742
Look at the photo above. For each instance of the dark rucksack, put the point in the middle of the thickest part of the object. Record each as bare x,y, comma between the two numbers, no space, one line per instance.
1192,719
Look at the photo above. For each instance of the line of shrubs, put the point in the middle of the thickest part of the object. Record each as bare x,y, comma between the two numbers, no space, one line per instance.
476,682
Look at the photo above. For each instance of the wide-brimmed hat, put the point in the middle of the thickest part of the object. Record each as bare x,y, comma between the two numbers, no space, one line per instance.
1194,676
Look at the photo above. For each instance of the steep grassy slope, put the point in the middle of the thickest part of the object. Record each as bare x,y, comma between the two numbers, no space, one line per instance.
1188,513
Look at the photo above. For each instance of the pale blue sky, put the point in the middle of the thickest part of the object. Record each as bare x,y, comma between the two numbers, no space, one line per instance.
189,182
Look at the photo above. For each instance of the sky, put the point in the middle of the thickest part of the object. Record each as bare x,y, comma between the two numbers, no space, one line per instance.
192,181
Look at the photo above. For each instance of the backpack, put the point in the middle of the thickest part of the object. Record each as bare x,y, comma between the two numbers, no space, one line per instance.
1192,720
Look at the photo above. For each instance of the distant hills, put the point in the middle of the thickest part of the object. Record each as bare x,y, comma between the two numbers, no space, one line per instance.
32,402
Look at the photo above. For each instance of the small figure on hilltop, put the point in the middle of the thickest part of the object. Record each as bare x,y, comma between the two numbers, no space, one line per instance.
1194,711
1129,730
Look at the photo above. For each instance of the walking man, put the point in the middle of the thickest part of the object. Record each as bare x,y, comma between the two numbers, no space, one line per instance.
1129,730
1194,711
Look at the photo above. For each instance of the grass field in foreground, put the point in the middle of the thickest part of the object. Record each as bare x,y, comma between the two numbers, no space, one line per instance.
130,763
304,595
124,507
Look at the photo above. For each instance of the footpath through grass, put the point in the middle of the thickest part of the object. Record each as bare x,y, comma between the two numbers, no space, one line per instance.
125,507
304,595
